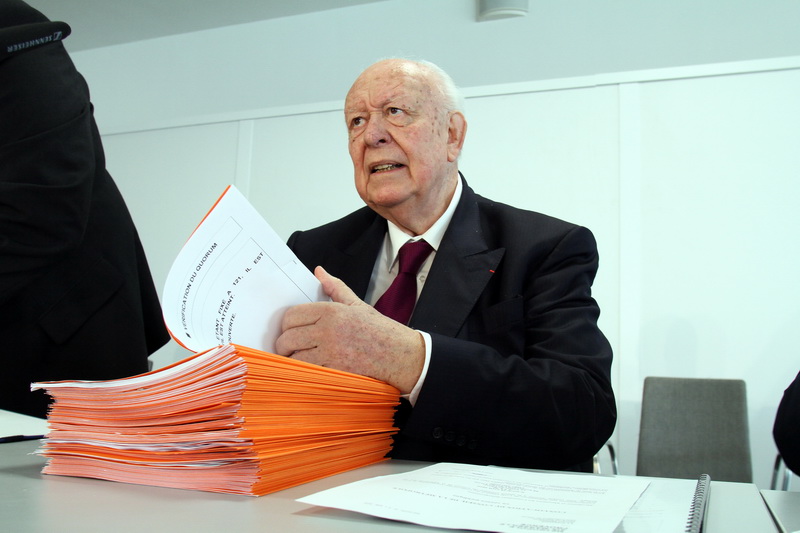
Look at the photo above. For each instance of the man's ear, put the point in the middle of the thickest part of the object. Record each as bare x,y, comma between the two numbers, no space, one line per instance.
456,132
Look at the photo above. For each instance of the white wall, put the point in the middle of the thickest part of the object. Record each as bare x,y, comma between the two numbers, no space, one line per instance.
684,174
314,58
719,251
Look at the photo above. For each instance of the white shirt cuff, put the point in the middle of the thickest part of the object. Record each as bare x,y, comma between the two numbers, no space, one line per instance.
414,394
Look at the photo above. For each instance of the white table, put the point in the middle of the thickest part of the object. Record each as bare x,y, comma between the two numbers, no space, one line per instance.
32,502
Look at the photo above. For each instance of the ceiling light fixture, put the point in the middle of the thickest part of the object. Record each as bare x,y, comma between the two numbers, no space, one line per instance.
500,9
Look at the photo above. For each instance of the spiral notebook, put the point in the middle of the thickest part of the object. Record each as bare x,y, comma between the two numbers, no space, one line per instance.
669,505
699,507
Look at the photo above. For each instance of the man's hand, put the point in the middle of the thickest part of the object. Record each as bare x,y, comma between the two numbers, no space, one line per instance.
350,335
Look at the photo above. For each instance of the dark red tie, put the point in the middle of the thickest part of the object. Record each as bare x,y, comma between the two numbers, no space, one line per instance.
399,299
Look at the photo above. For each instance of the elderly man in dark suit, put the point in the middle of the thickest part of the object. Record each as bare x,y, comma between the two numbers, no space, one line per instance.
76,294
501,361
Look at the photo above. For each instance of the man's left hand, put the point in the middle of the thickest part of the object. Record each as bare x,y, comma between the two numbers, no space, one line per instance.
348,334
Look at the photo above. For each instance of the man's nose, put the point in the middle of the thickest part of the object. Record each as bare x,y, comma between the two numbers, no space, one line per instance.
376,133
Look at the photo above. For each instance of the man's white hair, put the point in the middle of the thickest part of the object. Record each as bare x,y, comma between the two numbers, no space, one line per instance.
451,95
453,99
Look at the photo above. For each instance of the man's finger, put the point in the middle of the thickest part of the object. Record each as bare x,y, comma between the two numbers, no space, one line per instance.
302,315
295,340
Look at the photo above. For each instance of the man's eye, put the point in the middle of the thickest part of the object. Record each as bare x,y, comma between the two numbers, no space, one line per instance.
357,121
395,111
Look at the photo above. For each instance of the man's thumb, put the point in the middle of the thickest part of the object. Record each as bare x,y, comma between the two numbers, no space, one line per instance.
336,288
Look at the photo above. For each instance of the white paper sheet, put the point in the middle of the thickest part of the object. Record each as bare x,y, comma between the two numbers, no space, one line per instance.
481,498
233,280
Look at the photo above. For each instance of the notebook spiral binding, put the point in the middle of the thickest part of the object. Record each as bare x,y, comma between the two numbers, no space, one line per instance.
699,507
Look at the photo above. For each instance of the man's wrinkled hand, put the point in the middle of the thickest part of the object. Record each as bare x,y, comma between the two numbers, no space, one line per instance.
348,334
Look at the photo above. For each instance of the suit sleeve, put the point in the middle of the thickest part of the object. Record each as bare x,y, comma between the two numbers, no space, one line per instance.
786,430
551,404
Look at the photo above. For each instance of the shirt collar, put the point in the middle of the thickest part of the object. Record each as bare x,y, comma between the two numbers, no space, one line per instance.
433,236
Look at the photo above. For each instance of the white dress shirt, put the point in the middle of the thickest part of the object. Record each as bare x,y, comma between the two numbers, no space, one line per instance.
387,265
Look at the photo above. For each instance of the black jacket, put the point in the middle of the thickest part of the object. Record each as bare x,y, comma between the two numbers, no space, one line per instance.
519,372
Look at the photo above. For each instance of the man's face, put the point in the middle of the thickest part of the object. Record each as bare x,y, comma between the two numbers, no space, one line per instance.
402,143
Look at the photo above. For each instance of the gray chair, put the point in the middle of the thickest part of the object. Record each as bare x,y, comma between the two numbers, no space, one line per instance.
612,457
694,426
781,475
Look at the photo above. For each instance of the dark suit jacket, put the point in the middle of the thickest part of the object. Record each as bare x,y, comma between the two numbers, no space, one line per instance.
786,429
76,297
519,372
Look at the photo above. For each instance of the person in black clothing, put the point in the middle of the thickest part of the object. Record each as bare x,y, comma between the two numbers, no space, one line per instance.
76,293
786,430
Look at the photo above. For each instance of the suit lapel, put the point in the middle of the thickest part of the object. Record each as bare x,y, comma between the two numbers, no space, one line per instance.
354,264
463,266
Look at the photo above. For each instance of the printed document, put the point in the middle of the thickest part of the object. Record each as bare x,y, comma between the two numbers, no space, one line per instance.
233,280
486,498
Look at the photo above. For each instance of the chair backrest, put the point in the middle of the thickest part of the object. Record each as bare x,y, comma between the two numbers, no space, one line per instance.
693,426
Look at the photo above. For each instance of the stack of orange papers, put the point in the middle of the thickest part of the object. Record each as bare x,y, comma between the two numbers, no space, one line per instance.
231,419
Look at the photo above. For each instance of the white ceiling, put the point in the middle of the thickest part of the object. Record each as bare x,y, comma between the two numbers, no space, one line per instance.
97,23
